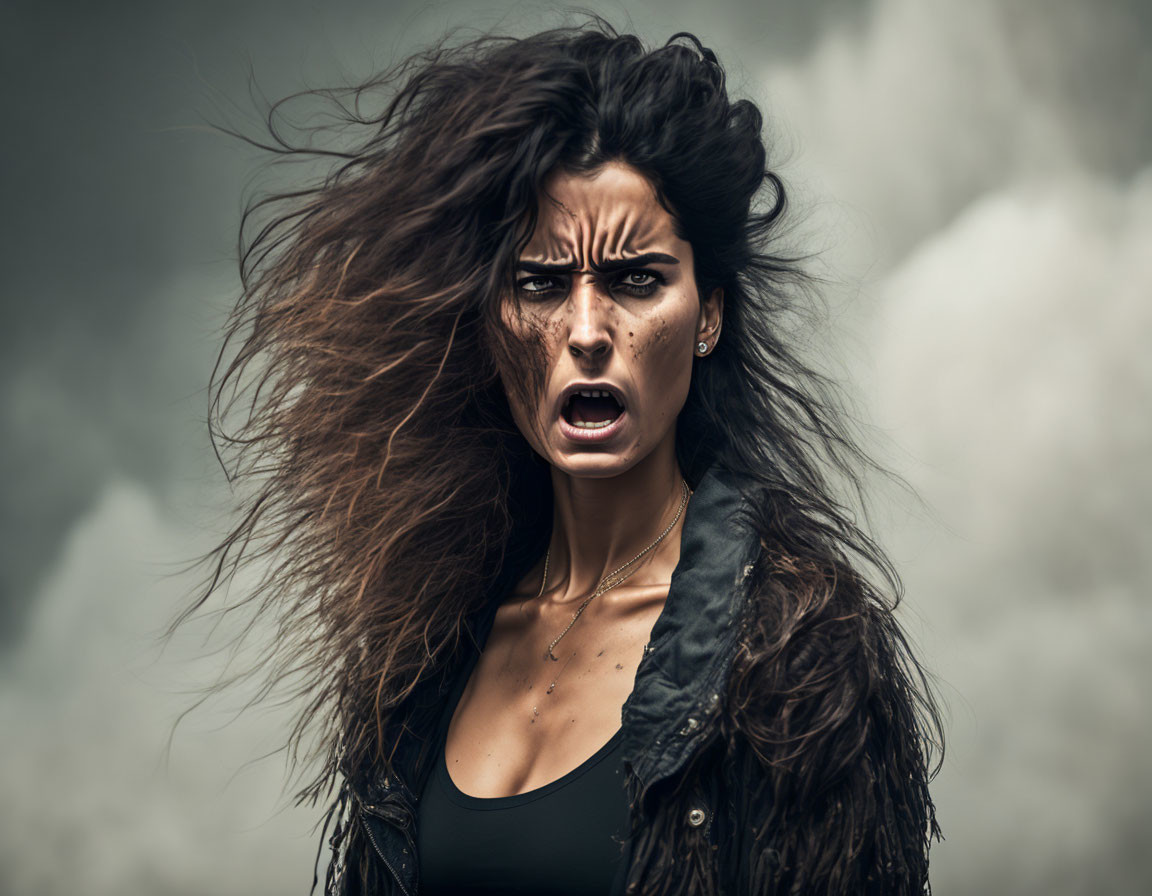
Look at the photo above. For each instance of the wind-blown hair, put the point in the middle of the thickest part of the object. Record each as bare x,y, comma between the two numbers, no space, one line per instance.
389,483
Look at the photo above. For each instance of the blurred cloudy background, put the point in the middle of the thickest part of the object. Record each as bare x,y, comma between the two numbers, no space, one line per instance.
978,176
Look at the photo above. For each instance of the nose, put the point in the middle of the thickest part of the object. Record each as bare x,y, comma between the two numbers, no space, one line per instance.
590,324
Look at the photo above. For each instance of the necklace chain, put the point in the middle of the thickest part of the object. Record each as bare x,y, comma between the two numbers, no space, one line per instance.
614,578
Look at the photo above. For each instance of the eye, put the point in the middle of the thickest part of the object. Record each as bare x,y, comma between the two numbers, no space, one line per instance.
538,286
639,283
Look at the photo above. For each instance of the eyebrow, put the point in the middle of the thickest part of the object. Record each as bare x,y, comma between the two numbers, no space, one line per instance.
608,266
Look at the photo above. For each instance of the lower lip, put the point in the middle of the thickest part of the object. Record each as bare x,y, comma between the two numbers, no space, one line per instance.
600,434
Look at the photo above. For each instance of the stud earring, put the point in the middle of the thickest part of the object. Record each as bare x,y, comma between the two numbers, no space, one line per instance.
702,347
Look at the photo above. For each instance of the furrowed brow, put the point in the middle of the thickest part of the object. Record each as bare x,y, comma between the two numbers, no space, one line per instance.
539,267
608,266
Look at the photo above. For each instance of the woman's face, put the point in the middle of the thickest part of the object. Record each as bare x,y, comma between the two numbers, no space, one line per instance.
611,289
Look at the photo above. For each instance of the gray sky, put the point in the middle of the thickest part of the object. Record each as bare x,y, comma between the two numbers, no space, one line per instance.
979,179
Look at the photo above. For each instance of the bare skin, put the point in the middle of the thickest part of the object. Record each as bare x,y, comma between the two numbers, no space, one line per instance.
635,329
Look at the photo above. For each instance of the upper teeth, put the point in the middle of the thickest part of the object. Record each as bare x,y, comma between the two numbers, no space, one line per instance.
593,393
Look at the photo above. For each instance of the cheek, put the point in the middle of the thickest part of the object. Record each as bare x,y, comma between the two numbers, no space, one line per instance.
660,343
528,363
663,357
553,332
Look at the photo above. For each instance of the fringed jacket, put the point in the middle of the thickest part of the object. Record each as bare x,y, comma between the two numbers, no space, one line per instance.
770,743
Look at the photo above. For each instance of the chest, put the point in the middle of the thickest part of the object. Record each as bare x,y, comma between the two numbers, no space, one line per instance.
523,720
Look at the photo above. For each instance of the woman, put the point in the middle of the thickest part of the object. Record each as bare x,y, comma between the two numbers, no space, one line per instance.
557,564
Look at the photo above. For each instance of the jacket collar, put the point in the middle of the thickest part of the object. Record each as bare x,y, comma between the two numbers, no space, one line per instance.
681,677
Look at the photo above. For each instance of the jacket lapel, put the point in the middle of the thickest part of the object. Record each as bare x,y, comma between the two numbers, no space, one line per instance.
678,683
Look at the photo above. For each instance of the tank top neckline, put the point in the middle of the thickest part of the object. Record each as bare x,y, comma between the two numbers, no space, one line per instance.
468,801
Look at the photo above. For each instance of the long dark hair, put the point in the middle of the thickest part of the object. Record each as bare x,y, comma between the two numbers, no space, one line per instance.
389,481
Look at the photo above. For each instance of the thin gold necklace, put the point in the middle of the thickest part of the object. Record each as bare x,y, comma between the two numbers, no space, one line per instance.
613,578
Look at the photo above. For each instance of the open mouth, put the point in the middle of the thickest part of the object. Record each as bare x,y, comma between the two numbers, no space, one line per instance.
591,409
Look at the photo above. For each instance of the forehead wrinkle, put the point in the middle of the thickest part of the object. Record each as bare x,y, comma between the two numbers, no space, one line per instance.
549,230
615,233
632,232
598,230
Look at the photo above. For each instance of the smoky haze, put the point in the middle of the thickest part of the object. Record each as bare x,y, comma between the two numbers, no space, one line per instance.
978,180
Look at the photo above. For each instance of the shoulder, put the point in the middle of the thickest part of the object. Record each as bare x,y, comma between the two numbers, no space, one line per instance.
828,723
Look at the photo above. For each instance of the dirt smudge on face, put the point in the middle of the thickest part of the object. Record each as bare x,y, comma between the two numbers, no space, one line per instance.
658,335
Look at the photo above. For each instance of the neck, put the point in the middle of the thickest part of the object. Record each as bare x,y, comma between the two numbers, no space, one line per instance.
600,524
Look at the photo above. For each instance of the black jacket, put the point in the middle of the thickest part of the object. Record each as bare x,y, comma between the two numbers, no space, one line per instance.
700,798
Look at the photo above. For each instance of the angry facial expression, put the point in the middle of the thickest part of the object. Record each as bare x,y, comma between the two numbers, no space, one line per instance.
610,289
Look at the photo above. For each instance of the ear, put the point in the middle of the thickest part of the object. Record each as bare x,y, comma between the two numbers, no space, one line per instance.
710,318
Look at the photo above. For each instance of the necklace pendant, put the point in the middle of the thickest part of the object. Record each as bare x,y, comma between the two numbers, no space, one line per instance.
549,691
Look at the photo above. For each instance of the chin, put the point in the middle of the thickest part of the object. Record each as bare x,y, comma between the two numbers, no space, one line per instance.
591,465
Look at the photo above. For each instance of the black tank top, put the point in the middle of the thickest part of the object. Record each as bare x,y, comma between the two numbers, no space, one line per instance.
562,839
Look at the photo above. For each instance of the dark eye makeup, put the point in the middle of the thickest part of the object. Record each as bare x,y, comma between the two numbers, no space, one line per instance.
637,282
